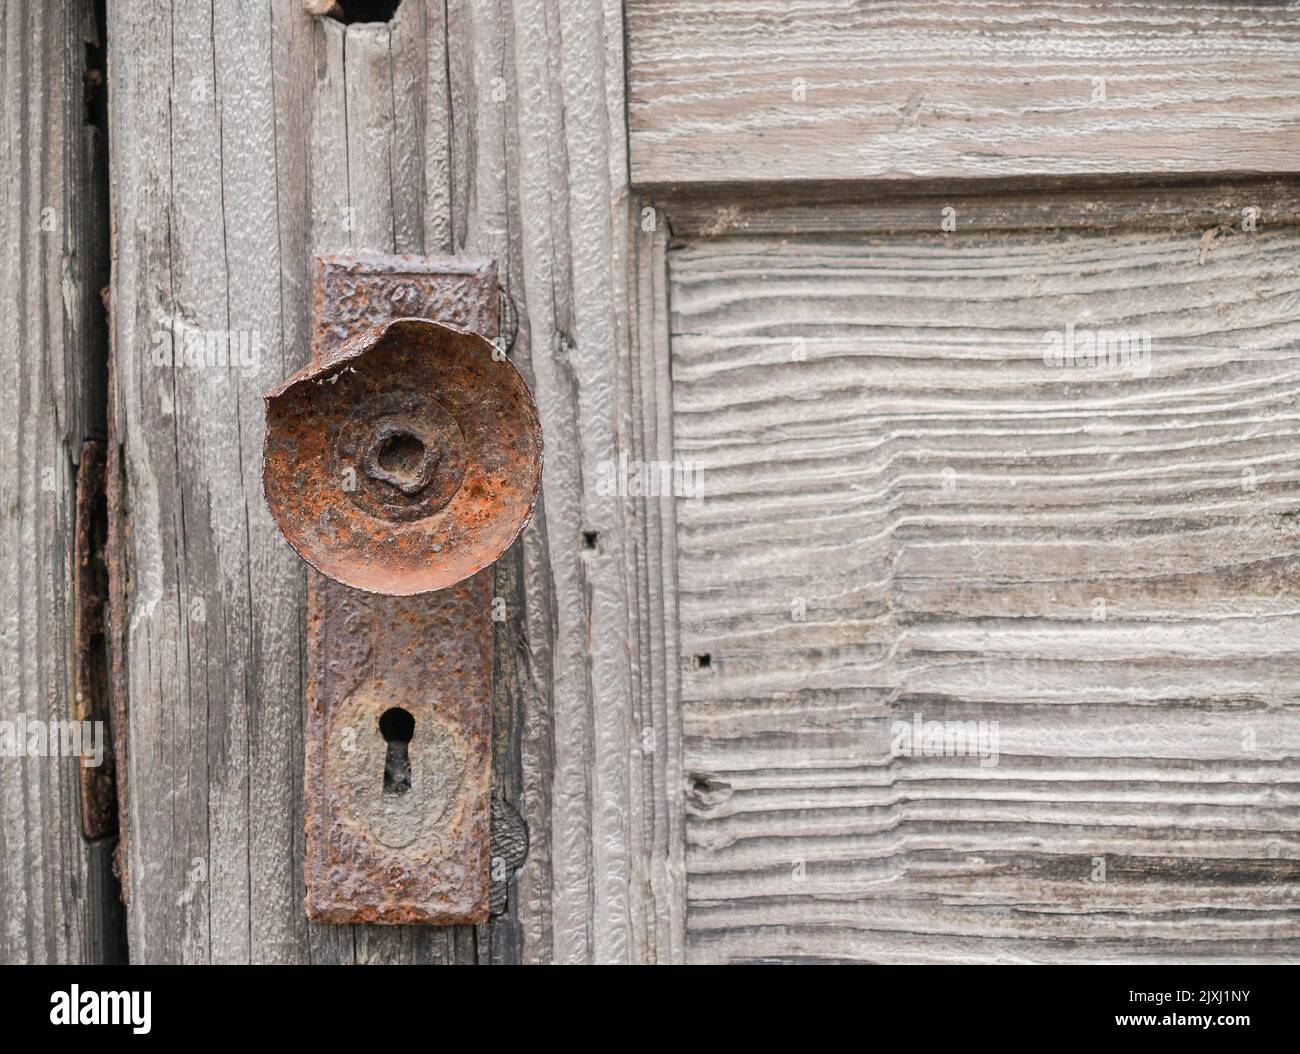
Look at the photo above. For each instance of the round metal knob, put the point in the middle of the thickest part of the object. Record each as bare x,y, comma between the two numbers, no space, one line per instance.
405,462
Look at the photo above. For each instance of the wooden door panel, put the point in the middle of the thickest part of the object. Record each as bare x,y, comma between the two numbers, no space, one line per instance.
733,91
908,511
719,230
245,142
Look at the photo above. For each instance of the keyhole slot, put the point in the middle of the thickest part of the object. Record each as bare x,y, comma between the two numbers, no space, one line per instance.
397,726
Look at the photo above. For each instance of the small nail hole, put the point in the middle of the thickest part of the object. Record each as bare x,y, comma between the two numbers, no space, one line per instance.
705,791
703,662
590,539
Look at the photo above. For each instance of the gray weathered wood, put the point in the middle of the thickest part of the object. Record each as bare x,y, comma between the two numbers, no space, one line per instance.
1100,204
247,144
58,899
213,609
880,438
907,511
736,91
599,767
247,138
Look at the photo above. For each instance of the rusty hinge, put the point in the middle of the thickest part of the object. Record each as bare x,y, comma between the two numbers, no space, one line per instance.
90,683
401,463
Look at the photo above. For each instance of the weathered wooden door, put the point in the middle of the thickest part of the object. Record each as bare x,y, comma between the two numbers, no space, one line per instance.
914,578
982,329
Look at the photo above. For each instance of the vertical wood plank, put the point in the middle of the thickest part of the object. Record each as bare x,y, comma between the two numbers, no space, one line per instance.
58,899
367,207
205,299
251,137
552,126
656,675
492,129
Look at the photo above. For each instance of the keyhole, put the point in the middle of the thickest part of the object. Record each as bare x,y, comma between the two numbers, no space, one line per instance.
397,726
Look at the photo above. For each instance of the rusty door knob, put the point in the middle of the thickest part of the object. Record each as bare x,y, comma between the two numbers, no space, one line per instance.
406,460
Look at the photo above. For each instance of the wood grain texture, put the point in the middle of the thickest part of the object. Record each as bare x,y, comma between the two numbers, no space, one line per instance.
1103,564
249,138
1183,205
213,648
58,901
599,731
653,550
736,91
367,171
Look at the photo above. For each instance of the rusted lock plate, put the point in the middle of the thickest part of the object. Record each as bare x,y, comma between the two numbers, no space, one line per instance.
404,458
393,839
